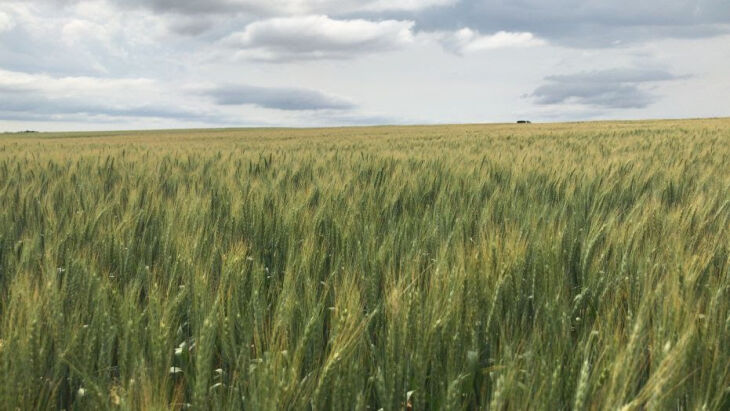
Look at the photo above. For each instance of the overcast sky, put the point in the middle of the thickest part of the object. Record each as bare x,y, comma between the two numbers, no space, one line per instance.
131,64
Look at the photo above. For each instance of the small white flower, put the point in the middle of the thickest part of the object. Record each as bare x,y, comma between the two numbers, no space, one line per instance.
61,270
175,370
81,392
180,348
472,356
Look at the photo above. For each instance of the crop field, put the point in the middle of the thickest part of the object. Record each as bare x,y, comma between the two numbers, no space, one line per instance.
559,266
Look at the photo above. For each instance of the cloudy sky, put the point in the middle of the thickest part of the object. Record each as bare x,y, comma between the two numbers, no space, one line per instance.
131,64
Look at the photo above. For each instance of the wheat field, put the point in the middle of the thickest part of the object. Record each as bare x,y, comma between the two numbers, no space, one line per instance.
507,267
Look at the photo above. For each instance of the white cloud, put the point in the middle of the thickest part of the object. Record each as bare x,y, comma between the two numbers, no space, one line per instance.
89,38
6,22
318,37
466,40
67,85
81,31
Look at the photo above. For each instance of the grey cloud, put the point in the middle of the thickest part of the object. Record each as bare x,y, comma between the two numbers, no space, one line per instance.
575,23
617,75
267,7
613,88
190,27
597,95
199,7
172,6
579,23
24,103
280,98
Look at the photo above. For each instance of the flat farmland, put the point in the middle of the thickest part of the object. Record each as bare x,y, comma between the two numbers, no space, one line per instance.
531,266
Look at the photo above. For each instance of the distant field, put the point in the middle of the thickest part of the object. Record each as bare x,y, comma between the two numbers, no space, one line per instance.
560,266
